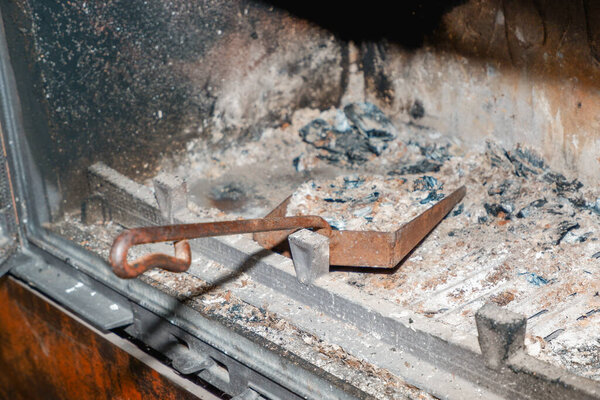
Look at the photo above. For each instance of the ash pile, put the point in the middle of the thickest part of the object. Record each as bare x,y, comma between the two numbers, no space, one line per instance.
366,202
525,236
350,136
361,136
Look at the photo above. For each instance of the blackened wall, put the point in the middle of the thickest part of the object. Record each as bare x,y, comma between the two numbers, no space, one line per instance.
128,81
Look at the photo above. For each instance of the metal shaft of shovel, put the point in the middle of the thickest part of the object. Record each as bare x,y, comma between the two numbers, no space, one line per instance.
180,233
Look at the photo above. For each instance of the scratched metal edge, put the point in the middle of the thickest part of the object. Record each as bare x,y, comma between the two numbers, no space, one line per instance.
431,341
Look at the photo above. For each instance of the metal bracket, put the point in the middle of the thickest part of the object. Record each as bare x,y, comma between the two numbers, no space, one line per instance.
186,361
248,394
82,297
310,254
171,194
501,333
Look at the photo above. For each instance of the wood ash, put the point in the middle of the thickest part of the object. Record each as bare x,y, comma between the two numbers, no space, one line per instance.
366,202
353,135
525,236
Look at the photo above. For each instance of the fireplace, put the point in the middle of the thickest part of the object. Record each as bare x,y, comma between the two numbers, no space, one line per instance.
119,115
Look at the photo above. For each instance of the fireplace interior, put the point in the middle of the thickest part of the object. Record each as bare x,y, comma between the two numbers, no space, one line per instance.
150,113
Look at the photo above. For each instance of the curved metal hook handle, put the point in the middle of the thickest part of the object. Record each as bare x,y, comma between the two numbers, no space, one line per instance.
123,269
179,233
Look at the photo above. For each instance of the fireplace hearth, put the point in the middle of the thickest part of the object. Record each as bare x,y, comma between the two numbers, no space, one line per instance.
122,115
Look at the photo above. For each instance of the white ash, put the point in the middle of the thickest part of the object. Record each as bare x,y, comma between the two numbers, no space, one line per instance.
523,236
367,202
274,145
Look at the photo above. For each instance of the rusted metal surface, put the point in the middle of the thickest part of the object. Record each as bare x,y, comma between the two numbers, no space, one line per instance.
411,234
350,248
179,234
45,354
371,248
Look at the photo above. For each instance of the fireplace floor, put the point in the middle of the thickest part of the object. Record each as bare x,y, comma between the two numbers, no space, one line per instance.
525,237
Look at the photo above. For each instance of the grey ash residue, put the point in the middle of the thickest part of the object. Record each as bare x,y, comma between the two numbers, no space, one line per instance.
515,184
366,202
229,196
361,133
421,167
524,236
352,136
558,197
433,156
432,186
510,186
